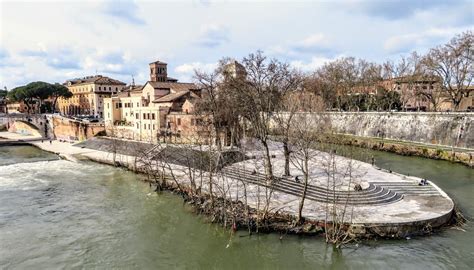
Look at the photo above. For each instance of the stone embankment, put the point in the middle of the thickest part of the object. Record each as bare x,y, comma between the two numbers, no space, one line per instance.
390,204
459,155
445,136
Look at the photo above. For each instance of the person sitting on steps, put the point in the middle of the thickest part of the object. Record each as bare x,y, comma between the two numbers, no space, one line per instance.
297,179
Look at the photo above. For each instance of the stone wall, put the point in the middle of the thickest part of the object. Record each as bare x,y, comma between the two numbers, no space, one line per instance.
448,129
51,126
71,130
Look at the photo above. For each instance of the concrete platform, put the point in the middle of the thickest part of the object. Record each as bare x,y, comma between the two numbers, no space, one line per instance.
388,202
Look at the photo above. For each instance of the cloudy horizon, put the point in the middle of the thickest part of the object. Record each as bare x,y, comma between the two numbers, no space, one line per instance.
56,41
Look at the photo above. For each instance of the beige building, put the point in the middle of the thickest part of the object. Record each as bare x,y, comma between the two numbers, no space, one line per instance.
20,107
162,108
88,95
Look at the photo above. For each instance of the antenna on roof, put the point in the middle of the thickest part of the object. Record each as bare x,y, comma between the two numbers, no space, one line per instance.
133,81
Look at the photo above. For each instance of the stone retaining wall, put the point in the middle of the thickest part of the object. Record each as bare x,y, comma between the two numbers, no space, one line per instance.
448,129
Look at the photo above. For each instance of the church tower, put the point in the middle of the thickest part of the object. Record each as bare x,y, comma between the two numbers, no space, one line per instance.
158,71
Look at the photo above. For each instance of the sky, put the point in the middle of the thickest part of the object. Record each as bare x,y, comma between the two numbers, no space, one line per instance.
55,41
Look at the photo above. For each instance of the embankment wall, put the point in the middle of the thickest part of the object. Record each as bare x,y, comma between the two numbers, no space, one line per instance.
447,129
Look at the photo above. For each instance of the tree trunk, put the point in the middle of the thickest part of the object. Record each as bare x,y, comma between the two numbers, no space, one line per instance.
54,104
305,188
286,151
268,162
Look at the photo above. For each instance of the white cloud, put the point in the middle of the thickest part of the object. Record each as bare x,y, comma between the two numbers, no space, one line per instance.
186,71
422,40
314,40
313,44
313,64
213,35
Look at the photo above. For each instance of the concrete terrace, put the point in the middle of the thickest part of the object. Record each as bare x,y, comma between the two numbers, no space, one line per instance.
388,199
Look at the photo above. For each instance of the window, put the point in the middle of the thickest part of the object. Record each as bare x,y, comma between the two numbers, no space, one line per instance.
116,106
148,116
116,88
138,125
153,116
126,114
137,116
153,126
144,115
99,87
179,121
192,122
138,104
108,105
110,88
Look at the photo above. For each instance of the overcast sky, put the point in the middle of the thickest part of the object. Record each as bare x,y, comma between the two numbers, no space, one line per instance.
58,40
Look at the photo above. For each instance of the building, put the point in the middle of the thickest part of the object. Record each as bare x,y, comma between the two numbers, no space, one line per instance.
3,105
410,88
88,95
161,109
466,104
20,107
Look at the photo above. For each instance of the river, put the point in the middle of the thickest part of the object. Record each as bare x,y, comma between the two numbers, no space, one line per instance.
59,214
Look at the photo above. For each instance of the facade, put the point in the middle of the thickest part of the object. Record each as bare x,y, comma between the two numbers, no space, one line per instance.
3,105
88,95
20,107
161,109
467,102
409,88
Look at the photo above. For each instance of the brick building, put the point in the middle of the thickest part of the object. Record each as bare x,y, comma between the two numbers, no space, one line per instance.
162,108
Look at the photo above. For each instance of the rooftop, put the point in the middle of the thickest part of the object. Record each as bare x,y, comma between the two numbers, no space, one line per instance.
97,79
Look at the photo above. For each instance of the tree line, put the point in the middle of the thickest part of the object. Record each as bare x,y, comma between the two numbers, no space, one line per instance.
343,83
35,93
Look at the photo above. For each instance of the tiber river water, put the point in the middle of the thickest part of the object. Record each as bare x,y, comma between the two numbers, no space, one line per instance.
59,214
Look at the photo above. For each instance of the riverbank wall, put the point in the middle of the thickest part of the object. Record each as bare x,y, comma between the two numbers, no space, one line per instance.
443,136
443,129
462,156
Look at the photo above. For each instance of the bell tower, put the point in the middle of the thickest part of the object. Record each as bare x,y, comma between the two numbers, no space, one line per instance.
158,71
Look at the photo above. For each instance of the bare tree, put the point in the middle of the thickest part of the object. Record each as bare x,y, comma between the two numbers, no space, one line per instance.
260,94
453,63
288,107
306,129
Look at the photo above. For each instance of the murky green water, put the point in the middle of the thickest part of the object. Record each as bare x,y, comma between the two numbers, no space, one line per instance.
58,214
